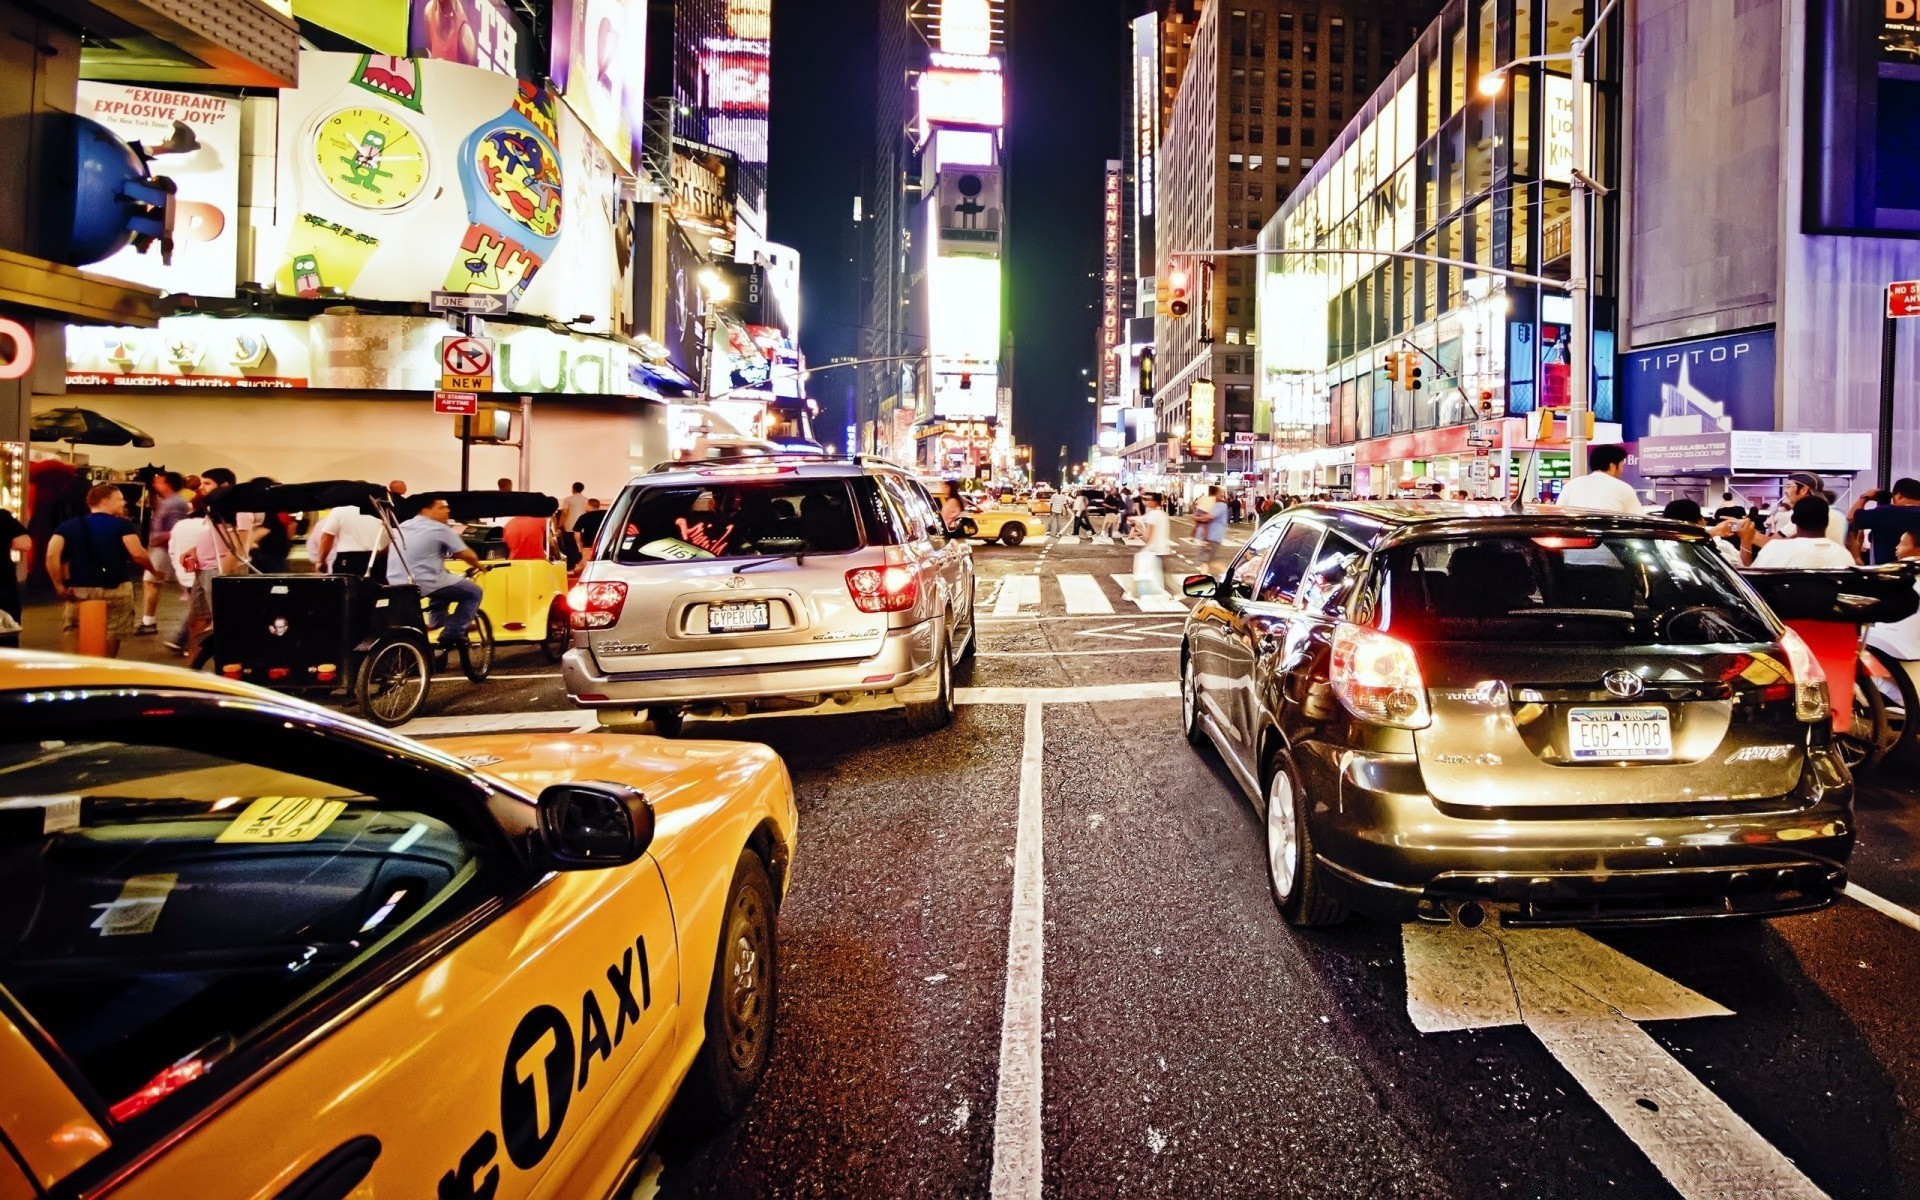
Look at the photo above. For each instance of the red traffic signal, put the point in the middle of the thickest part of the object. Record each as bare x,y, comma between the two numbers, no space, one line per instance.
1179,284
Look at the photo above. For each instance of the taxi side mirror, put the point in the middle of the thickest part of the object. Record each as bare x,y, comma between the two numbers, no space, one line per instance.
588,825
1201,587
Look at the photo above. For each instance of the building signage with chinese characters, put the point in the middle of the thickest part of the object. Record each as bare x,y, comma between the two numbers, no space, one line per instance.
1110,282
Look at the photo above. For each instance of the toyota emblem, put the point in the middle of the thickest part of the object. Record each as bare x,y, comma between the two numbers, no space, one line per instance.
736,581
1623,684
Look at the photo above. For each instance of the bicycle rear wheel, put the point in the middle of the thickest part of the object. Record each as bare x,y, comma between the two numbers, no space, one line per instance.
476,649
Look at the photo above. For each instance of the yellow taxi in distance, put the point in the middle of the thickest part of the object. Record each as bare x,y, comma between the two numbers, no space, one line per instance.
252,948
1008,525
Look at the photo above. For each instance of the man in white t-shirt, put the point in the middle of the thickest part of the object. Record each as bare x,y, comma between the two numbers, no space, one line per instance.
1156,530
1809,547
1601,488
345,530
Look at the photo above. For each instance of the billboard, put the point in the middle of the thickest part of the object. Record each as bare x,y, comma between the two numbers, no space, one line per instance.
705,179
473,33
973,402
1111,210
400,176
953,97
193,139
680,324
1863,117
1200,419
598,68
963,301
969,213
1707,386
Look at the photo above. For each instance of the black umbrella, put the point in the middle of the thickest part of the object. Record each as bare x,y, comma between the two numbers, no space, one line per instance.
85,427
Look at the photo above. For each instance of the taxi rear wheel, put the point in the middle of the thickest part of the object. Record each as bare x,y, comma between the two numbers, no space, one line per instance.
1013,534
741,1005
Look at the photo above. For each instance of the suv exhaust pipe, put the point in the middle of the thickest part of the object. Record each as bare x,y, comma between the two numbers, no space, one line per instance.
1467,914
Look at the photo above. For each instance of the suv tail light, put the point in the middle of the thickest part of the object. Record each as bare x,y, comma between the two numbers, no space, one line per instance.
883,589
1378,678
1811,701
595,605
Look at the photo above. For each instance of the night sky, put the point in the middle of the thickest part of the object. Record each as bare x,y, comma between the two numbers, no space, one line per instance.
1065,117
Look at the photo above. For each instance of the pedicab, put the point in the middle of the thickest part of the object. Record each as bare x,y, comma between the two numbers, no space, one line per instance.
524,600
320,635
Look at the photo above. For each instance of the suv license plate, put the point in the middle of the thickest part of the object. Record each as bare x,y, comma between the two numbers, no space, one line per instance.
1619,733
737,618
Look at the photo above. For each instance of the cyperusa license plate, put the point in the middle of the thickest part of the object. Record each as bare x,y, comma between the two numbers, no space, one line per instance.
1619,733
737,618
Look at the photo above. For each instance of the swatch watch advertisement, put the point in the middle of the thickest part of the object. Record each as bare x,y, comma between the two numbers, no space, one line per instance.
192,138
407,175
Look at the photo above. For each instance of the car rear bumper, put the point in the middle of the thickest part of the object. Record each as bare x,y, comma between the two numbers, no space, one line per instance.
905,656
1392,850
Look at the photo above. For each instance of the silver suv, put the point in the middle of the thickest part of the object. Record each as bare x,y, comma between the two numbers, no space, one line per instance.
783,584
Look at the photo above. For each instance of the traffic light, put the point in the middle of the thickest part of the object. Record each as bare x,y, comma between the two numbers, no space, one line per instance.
1179,284
1390,368
1163,296
966,381
1410,371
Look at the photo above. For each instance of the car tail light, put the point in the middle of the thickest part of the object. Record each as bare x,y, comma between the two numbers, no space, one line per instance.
1378,678
1811,701
883,589
595,605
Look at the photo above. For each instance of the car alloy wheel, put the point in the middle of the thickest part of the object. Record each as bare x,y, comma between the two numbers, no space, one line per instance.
1283,839
1190,701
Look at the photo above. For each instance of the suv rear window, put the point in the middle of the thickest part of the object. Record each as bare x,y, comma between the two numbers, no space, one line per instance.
1621,588
747,518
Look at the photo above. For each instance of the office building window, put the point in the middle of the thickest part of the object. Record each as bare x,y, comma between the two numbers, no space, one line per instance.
1337,82
1309,108
1283,108
1253,162
1310,22
1335,112
1283,77
1306,137
1286,49
1256,133
1310,51
1286,22
1309,80
1283,136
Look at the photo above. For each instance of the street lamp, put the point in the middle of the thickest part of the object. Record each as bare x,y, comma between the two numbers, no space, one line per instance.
1580,270
714,285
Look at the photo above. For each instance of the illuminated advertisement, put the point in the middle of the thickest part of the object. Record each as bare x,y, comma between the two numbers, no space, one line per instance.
1146,128
963,299
1863,120
190,352
1110,281
949,97
599,59
969,215
193,139
1200,423
473,33
704,179
966,27
973,402
401,176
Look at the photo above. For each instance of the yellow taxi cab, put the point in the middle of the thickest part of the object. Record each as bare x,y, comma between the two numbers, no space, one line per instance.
995,523
251,948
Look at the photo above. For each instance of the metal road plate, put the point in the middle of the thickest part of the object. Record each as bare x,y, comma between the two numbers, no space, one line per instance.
1612,734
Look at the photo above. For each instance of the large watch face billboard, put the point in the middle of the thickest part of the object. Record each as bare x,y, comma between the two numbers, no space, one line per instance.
1863,126
402,176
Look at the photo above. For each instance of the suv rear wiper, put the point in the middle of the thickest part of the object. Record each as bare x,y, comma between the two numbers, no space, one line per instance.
1616,614
798,554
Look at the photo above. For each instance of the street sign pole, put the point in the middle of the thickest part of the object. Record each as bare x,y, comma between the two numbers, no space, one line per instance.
1889,327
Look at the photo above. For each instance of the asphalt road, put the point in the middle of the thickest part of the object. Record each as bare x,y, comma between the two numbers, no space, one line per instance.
1168,1035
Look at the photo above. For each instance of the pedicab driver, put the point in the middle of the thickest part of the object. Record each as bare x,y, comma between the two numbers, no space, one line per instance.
421,547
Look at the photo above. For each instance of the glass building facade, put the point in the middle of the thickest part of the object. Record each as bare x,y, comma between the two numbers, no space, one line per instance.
1431,165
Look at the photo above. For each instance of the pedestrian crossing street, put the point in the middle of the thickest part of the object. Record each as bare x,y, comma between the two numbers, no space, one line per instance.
1081,595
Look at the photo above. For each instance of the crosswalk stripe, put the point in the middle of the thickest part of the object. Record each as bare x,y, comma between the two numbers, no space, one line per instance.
1016,591
1071,539
1160,602
1083,595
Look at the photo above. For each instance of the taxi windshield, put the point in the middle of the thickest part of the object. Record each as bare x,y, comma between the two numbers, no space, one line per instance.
166,891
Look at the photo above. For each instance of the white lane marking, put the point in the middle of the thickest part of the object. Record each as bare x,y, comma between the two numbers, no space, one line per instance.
1883,906
1584,1000
1092,694
1035,617
1017,1150
1083,595
1160,602
1071,539
566,720
1017,592
1075,653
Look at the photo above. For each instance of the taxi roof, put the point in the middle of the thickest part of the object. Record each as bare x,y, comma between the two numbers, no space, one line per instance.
32,670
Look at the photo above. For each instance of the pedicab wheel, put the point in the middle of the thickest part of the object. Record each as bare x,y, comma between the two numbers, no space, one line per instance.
392,683
1871,735
476,649
554,645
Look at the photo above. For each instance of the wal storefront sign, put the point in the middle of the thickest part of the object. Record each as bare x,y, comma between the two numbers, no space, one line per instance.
1709,385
